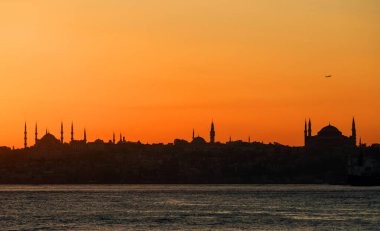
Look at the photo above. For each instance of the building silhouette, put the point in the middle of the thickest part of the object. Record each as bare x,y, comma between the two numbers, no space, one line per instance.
329,137
200,140
197,139
78,144
49,141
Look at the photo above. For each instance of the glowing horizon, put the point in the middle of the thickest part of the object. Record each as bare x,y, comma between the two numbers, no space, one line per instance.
154,70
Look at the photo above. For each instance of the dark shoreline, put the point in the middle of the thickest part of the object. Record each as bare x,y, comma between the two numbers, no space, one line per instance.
133,163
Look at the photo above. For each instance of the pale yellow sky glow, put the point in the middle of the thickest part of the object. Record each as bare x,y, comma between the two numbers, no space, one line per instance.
154,70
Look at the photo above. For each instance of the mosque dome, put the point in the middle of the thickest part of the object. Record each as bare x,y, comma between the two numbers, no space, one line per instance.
198,140
49,139
329,131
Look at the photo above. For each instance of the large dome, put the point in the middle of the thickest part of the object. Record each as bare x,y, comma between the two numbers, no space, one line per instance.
49,139
329,131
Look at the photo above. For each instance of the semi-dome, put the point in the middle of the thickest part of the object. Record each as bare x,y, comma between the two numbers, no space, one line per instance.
330,131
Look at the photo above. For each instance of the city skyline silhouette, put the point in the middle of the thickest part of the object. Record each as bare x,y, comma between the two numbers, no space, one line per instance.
327,156
72,136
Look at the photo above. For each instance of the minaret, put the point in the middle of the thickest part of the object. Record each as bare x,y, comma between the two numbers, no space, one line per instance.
121,138
36,135
84,136
113,138
353,131
309,131
212,133
25,137
193,134
61,132
72,131
305,133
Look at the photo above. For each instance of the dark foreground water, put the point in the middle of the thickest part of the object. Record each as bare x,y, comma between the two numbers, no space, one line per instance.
200,207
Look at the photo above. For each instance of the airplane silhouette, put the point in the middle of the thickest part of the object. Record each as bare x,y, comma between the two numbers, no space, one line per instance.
328,76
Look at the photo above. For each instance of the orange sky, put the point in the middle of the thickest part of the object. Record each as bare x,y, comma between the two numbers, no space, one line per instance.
154,70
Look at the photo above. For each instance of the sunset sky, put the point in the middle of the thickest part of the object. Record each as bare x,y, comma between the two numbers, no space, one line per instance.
154,70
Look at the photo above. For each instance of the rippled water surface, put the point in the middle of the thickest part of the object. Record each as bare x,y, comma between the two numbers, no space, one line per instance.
201,207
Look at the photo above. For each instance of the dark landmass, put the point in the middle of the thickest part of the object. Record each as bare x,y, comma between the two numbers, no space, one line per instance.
181,162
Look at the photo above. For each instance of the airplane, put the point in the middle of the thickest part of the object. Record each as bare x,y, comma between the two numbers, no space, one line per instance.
328,76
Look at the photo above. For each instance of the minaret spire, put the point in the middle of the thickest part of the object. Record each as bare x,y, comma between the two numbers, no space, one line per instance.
72,131
113,138
25,137
212,133
36,134
305,133
193,134
353,131
61,132
309,130
84,136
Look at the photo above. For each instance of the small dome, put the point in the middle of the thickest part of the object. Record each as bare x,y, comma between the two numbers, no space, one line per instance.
329,131
198,140
99,141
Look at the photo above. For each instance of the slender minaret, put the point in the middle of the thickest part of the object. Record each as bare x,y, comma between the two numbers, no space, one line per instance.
249,139
25,137
72,131
61,132
193,134
353,131
84,136
121,138
212,133
113,138
305,133
35,135
309,131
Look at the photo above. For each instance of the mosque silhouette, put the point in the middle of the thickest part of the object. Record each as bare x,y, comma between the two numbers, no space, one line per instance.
329,137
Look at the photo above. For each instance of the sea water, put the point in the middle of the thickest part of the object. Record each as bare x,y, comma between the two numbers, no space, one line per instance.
186,207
